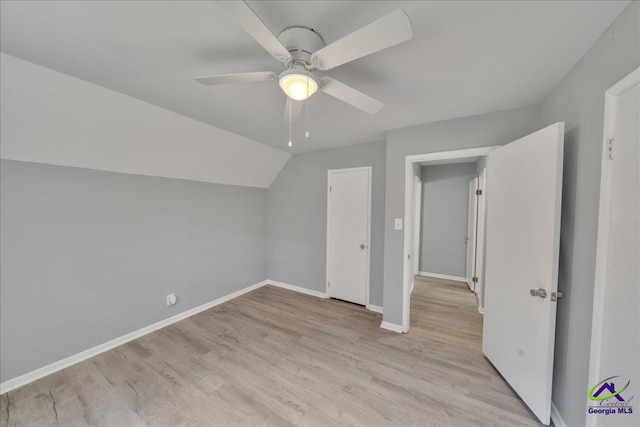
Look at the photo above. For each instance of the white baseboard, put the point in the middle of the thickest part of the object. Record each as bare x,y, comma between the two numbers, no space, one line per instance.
413,285
442,276
318,294
556,417
391,327
24,379
375,308
296,288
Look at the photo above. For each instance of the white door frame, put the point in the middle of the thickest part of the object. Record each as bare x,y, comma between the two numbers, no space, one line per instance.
480,238
408,213
417,221
330,172
604,217
473,239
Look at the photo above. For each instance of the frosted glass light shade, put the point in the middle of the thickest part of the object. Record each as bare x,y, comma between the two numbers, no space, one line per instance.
298,86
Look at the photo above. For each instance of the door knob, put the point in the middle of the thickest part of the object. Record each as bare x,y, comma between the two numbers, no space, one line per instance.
362,246
538,293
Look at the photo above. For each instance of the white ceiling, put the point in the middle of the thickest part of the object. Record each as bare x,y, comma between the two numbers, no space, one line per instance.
465,58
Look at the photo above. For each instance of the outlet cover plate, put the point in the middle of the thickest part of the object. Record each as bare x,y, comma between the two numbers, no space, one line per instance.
171,299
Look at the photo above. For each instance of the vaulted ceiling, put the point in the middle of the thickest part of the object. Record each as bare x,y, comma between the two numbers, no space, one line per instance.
466,57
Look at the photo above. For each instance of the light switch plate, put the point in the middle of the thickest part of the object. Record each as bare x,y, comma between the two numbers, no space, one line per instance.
398,224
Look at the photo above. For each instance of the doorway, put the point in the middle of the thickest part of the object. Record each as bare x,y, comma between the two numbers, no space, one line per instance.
446,243
349,234
522,251
413,166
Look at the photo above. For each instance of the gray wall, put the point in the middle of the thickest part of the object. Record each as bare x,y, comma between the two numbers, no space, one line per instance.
298,216
88,256
579,102
445,204
476,131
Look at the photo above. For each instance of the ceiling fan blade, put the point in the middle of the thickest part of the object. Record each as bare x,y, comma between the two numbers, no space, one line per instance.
350,95
296,109
390,30
223,79
242,13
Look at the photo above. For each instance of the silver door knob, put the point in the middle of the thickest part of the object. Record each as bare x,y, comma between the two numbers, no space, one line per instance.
538,293
362,246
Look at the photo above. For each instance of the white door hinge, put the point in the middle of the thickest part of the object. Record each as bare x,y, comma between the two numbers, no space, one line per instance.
610,148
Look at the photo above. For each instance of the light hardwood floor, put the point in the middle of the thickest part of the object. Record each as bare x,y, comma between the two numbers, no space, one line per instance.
277,357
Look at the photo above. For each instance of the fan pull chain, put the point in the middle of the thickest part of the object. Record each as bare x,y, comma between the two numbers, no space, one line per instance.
290,144
306,135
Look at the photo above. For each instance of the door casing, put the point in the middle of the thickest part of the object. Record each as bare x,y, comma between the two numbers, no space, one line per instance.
415,256
472,234
482,186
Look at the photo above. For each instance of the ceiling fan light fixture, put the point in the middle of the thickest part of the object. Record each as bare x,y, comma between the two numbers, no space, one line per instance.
298,84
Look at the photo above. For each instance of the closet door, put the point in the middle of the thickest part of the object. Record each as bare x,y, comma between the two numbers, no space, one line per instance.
348,234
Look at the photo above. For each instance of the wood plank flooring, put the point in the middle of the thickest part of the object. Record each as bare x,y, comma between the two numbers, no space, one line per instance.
277,357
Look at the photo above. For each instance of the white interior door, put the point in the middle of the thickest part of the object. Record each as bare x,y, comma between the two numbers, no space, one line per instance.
480,233
348,230
521,276
471,233
615,347
417,219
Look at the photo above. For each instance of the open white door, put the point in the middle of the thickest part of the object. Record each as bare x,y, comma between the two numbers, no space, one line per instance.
521,277
471,233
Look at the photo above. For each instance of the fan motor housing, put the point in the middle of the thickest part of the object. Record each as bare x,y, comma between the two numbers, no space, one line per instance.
301,42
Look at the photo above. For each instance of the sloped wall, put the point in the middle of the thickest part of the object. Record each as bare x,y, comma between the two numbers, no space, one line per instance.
50,117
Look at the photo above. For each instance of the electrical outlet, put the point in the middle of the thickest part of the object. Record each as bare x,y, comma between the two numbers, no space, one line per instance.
171,299
398,224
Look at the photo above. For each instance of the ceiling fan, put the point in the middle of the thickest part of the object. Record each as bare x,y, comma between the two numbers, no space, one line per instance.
302,51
